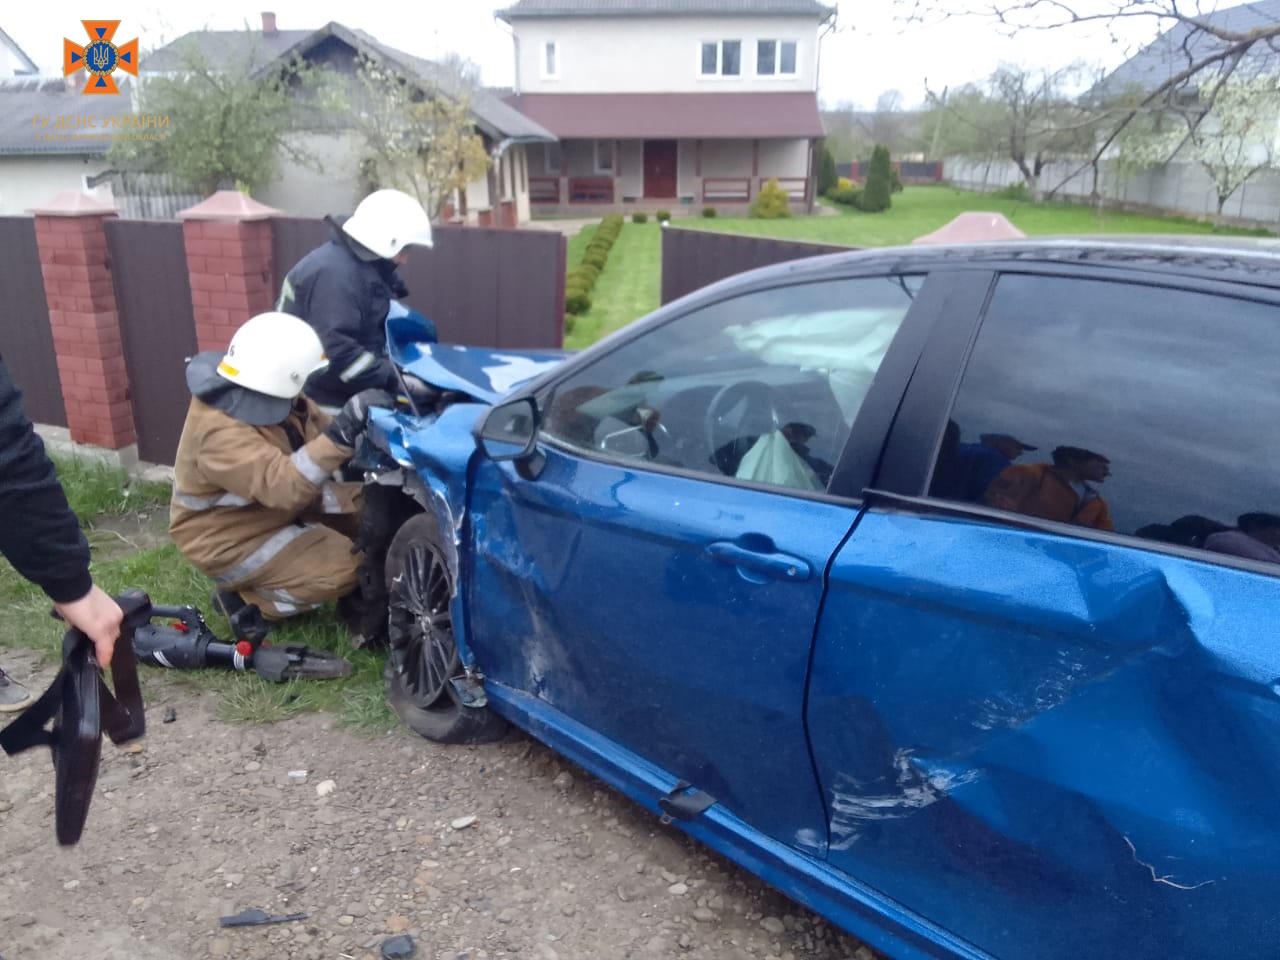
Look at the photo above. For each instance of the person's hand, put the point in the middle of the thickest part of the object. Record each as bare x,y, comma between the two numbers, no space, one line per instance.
349,422
98,617
420,392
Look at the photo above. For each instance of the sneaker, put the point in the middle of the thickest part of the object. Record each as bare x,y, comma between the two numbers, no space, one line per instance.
13,695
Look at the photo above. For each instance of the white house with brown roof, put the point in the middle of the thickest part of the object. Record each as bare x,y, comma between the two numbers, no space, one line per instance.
668,102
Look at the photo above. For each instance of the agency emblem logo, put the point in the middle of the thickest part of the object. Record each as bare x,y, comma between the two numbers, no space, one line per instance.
101,57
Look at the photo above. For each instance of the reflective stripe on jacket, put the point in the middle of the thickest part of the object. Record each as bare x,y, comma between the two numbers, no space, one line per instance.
238,489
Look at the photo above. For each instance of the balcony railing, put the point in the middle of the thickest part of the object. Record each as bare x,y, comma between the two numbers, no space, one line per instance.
726,189
544,189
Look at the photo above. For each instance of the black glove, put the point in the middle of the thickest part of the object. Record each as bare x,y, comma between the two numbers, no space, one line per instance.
349,422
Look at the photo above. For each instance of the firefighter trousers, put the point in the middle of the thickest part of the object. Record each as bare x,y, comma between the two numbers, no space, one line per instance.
299,568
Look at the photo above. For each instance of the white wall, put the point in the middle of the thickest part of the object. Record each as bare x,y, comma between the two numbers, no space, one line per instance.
27,182
657,55
11,63
1183,189
300,192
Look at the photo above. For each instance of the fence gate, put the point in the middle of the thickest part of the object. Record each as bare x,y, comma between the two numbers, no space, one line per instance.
692,259
26,342
153,295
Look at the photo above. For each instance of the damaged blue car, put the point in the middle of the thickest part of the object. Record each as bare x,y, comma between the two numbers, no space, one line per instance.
933,585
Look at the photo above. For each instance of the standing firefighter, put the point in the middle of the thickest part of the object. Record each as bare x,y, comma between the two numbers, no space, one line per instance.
254,503
345,287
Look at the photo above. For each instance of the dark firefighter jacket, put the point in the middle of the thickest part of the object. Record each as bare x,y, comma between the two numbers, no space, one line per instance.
39,534
345,298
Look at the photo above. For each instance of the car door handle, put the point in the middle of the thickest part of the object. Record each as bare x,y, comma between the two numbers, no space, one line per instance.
776,566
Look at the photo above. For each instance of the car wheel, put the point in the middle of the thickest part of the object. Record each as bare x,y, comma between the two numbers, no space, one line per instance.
422,657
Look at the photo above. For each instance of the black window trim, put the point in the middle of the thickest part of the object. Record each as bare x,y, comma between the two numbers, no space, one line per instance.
912,444
863,447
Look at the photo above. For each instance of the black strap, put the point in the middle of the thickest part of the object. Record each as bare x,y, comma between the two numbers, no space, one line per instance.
81,706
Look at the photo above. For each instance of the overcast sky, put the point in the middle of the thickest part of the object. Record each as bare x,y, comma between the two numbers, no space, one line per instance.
869,53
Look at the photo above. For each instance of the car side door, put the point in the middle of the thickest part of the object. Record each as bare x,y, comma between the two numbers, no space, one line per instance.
646,583
1052,705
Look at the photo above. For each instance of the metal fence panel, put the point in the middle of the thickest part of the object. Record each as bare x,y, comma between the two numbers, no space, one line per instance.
692,259
26,341
157,327
481,287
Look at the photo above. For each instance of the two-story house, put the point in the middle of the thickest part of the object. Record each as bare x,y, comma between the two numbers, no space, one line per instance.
667,102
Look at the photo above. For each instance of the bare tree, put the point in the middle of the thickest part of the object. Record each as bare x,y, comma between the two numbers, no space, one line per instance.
1198,51
415,133
1019,115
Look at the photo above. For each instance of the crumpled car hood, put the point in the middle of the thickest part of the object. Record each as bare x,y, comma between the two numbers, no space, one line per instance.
480,372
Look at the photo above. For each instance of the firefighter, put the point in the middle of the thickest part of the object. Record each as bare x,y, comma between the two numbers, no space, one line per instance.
345,287
255,506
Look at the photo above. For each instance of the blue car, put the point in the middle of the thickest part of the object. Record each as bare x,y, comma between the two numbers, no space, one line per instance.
936,586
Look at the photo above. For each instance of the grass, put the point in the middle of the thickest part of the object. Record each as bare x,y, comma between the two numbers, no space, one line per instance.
126,525
629,286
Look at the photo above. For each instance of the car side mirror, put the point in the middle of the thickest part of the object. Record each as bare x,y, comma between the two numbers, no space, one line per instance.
509,431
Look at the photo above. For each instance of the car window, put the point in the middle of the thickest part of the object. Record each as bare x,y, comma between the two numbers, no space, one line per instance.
762,387
1138,409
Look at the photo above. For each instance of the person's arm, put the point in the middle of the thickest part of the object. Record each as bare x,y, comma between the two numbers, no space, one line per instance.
240,460
335,310
39,533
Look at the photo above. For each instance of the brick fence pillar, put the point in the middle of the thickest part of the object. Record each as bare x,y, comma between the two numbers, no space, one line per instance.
71,236
228,240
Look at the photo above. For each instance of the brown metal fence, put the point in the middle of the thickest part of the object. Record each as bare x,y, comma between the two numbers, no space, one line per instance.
692,259
153,295
481,287
26,342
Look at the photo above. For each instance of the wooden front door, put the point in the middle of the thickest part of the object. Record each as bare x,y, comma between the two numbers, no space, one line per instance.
659,169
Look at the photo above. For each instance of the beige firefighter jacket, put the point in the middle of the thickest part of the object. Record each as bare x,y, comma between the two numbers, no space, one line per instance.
238,489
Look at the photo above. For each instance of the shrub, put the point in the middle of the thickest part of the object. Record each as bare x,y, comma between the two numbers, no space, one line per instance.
589,273
1014,191
875,195
596,258
895,182
771,202
708,211
639,217
579,301
578,283
847,195
662,216
827,178
569,321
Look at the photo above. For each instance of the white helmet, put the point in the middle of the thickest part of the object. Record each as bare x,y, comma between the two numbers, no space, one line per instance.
387,221
273,353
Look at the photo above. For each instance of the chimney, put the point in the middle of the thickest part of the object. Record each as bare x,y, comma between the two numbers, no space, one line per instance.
268,24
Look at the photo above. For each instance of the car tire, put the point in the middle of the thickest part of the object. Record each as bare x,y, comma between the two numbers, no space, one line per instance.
422,656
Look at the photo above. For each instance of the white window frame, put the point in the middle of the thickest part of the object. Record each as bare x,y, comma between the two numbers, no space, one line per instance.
719,73
777,58
551,47
613,156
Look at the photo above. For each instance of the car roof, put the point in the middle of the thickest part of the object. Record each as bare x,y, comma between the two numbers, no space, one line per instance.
1254,260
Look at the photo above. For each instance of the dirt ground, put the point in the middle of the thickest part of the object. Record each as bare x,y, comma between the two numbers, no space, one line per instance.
502,850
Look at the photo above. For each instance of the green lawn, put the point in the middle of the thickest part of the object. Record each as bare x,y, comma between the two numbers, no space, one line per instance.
629,286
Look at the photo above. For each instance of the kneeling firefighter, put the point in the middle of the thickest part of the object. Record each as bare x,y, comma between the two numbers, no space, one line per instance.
255,506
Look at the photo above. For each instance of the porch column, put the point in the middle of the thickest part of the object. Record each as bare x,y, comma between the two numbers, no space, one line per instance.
72,239
228,240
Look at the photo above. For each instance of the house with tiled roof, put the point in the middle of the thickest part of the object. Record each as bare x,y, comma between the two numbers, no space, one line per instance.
500,199
1211,41
666,103
14,61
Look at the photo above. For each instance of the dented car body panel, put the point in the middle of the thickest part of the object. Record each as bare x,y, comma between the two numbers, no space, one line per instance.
954,731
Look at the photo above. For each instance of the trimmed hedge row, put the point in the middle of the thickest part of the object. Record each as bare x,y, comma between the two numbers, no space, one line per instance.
579,282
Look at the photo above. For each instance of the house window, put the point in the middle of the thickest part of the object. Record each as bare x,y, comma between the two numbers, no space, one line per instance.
551,157
722,58
604,156
550,59
776,58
